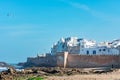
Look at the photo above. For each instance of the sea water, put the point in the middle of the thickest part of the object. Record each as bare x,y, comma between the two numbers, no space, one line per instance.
17,68
3,69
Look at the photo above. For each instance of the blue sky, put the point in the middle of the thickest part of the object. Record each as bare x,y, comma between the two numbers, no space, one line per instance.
28,27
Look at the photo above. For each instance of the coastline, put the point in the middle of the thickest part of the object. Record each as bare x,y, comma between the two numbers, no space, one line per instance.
57,73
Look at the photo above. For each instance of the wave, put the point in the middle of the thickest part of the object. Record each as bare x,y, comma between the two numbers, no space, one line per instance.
3,69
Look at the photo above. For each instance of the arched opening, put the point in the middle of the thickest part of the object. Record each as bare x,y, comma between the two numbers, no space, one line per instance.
87,52
94,52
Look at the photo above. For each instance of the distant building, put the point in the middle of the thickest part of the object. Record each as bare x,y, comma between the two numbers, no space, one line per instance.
80,53
82,46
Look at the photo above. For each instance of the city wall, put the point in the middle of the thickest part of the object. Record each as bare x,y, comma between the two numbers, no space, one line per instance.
92,60
74,60
47,61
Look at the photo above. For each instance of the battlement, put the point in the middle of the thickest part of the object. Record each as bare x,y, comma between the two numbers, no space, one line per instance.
64,59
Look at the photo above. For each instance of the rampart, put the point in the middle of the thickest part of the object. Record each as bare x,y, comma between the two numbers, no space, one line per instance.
92,60
65,59
46,61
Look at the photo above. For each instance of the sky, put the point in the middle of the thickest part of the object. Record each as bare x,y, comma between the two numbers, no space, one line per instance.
29,27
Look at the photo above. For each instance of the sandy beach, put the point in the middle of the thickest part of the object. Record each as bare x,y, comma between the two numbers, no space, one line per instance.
87,77
56,73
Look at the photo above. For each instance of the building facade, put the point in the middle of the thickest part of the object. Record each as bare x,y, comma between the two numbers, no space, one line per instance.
80,53
85,47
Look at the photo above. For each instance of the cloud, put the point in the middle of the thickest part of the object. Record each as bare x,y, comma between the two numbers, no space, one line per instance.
92,12
80,6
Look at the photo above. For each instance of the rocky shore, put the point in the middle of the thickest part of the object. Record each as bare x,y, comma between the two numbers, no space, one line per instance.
3,64
12,74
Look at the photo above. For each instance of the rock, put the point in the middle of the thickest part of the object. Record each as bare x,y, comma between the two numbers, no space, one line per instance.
3,64
11,70
28,71
21,64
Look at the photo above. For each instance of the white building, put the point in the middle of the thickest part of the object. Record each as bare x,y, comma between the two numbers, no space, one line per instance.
74,45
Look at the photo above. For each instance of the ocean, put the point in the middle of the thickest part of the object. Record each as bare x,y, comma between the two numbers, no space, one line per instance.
18,68
3,69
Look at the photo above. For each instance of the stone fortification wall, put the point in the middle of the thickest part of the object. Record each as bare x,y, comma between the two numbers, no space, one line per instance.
47,61
61,59
92,60
65,59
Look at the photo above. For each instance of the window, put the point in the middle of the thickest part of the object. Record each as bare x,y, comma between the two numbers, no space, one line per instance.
100,50
82,46
94,52
104,49
87,52
63,45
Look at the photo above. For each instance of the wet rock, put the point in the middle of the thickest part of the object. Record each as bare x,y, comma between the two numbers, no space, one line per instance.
28,71
3,64
11,70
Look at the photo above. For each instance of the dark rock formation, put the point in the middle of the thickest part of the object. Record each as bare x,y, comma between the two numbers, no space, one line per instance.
3,64
21,64
11,74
